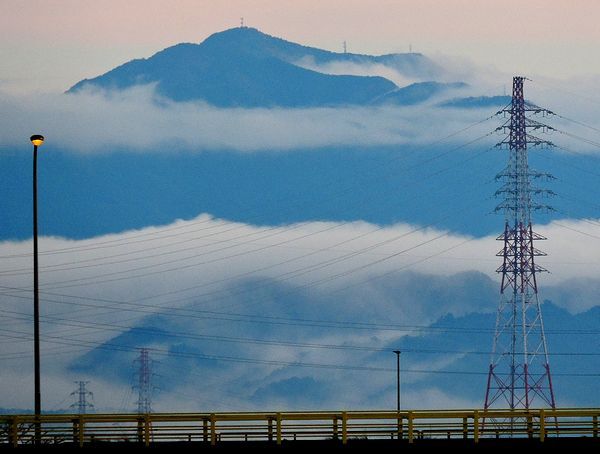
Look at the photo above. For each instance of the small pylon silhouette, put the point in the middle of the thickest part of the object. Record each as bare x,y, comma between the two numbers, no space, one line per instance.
82,404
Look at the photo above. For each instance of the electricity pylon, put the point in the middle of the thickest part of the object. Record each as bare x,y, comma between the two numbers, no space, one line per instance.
519,373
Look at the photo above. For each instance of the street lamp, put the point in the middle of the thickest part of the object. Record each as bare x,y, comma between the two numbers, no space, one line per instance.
397,352
37,140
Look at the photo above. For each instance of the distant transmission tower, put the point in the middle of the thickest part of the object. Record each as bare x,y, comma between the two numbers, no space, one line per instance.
81,393
519,373
144,382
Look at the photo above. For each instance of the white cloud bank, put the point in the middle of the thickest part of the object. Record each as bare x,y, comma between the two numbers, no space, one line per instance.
137,119
350,68
93,290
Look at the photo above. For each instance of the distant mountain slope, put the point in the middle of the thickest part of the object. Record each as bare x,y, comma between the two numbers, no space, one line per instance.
457,343
246,68
573,378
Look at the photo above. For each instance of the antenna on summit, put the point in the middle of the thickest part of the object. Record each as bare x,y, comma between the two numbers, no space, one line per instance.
345,47
241,22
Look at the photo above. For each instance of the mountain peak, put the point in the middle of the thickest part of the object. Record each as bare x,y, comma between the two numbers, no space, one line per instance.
244,67
251,41
238,35
237,32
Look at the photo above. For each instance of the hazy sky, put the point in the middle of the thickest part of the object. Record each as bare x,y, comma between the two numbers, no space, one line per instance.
51,44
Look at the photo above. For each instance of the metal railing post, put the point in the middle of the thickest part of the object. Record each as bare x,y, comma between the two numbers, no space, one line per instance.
140,430
213,429
205,429
278,428
542,425
476,426
465,428
75,431
14,432
344,428
147,430
335,427
529,426
595,426
270,429
80,433
400,428
410,427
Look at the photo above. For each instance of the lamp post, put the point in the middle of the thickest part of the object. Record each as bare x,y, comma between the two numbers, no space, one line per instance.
36,140
397,352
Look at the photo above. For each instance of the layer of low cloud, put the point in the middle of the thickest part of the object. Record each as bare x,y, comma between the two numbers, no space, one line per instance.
137,119
349,68
96,291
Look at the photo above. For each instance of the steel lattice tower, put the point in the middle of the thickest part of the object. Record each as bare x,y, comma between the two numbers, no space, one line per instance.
82,404
144,382
519,373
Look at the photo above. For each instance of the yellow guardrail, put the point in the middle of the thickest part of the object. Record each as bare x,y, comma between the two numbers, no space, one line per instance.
276,427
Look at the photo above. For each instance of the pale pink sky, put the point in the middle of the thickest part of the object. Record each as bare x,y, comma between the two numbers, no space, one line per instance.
51,44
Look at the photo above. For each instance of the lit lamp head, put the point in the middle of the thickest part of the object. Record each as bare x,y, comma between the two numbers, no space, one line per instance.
37,140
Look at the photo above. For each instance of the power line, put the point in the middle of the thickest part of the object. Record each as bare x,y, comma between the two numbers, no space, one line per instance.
57,267
576,230
304,322
278,342
577,122
243,360
577,137
384,165
437,172
585,97
56,284
319,282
